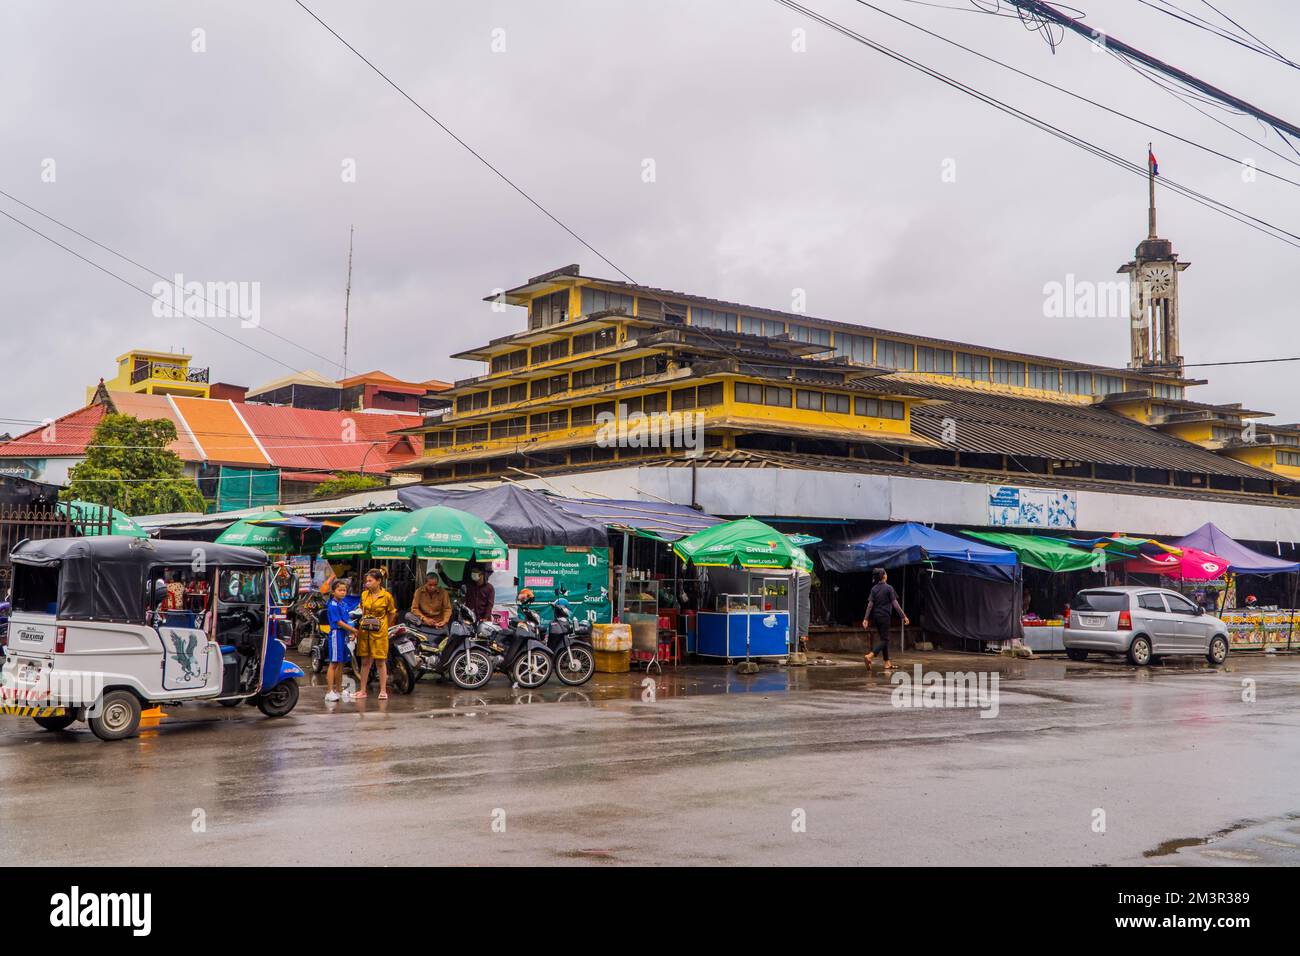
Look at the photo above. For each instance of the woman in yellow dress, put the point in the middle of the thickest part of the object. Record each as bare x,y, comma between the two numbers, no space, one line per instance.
378,614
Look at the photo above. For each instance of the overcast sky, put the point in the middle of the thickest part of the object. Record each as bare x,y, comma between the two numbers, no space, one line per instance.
774,170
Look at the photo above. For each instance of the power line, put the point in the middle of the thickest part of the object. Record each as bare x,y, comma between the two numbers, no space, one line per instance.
1071,93
1200,23
1253,222
468,148
145,292
158,275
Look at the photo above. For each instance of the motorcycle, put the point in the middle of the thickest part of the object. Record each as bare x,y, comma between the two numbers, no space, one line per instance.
520,651
464,657
570,644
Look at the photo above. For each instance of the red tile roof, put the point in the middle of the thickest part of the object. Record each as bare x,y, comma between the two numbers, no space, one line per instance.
244,434
65,437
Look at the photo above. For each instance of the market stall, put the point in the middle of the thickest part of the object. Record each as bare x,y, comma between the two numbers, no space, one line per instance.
971,590
1250,627
750,616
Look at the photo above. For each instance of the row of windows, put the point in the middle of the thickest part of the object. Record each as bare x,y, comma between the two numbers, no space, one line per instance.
885,353
1291,458
681,399
779,396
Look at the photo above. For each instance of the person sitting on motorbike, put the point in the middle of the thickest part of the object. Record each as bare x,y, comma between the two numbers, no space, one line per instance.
431,604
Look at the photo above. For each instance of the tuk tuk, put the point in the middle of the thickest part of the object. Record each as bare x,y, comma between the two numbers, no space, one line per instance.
102,628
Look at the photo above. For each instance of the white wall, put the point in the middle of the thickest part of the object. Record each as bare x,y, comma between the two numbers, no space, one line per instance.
819,494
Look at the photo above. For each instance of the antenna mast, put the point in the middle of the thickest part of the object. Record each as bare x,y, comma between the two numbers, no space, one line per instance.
347,305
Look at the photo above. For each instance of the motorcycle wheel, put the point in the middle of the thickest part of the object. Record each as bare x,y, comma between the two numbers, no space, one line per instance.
531,669
317,657
279,700
470,670
575,665
401,680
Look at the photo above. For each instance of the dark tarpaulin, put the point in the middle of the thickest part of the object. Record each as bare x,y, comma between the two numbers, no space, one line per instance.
667,521
968,607
519,516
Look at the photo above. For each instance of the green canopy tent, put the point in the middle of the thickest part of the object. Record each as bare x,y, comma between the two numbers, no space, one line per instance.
272,539
354,538
1048,554
97,517
439,532
749,544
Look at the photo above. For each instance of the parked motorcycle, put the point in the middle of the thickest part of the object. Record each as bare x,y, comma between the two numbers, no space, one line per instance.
465,656
520,651
570,644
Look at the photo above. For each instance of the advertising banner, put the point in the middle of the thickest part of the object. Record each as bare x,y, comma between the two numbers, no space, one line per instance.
581,574
1011,507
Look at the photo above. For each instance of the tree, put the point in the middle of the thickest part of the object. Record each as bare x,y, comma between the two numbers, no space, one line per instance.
129,466
344,483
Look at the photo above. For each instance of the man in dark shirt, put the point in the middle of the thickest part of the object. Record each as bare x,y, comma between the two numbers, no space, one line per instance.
480,596
880,612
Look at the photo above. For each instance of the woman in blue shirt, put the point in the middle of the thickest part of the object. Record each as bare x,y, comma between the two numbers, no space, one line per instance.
340,632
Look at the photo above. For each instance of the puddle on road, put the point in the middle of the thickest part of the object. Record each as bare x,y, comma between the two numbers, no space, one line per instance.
1170,847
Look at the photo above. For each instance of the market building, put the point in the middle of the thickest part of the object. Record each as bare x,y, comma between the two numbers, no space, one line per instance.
813,418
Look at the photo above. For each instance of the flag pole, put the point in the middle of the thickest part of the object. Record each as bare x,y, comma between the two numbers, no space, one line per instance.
1151,186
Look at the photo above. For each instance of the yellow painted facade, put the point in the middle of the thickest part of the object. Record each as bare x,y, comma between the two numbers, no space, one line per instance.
156,373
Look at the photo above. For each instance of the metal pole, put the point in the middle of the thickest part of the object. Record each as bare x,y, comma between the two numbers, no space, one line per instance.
622,586
902,628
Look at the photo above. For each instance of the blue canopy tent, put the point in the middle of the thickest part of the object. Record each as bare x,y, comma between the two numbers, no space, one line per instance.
973,613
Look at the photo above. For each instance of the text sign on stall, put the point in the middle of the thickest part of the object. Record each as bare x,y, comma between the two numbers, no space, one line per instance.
582,573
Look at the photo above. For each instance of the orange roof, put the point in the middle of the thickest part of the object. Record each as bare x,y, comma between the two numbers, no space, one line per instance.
377,377
221,431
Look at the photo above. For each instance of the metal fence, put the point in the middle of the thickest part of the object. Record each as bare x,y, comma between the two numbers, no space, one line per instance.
19,522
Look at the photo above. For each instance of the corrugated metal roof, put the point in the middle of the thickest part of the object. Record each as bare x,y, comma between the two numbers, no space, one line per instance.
323,441
219,429
150,407
67,436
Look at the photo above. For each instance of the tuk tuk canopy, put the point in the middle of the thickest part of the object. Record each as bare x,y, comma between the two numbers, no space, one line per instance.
106,578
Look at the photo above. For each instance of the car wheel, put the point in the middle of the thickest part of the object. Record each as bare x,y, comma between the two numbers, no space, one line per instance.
1076,654
1139,652
118,716
1218,652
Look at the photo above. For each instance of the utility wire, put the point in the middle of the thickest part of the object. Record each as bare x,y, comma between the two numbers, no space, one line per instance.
1267,228
467,147
168,279
1078,96
145,292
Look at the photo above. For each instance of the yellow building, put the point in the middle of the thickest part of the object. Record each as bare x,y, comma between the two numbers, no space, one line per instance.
155,373
775,383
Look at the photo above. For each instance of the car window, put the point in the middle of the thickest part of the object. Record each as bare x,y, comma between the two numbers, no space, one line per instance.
1179,604
1151,602
1101,601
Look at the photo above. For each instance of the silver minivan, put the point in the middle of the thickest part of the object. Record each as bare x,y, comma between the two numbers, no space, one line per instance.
1142,624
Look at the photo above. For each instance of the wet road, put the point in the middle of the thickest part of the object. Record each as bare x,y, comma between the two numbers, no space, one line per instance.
717,768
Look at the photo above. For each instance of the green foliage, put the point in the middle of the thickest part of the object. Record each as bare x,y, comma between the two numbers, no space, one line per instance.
129,466
344,483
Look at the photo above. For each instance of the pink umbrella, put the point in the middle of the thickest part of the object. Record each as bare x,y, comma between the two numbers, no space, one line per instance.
1190,565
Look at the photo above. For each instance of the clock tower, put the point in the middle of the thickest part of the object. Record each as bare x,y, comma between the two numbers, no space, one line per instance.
1153,294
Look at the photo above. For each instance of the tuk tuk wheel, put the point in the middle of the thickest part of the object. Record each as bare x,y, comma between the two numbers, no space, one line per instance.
62,722
118,717
280,699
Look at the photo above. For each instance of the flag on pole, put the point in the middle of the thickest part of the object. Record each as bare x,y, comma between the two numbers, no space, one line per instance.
1151,162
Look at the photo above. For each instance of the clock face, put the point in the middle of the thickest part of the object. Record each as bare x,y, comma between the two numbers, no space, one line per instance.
1157,279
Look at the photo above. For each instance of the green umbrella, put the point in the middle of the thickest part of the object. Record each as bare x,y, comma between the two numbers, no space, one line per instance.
355,536
747,542
96,514
269,538
439,532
